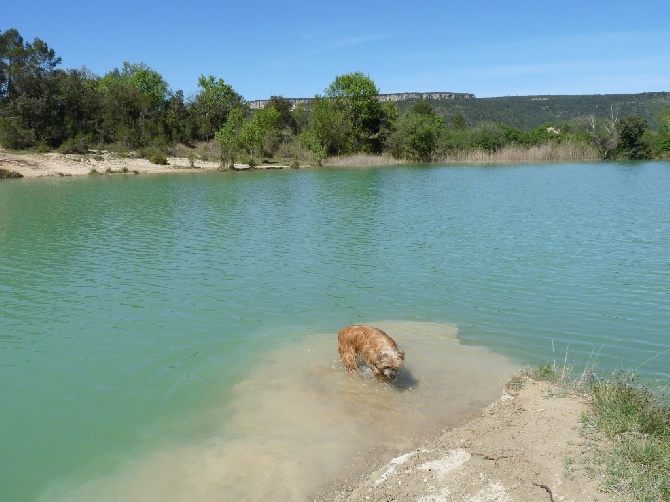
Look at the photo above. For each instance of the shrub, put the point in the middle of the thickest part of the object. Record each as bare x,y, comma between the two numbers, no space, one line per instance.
77,144
154,155
252,162
191,158
158,158
6,173
15,137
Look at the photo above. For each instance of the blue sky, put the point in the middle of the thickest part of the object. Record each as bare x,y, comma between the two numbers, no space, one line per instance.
297,48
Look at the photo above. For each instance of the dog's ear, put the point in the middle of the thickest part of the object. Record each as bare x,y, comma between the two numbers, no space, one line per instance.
401,354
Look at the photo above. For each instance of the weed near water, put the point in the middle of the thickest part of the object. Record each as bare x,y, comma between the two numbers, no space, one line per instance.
636,420
628,423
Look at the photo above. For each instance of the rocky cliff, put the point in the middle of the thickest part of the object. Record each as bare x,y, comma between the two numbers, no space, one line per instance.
402,96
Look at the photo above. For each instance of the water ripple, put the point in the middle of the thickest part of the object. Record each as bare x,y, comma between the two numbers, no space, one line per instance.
126,300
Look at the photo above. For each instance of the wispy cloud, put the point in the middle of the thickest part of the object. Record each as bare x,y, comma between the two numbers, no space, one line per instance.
332,47
355,41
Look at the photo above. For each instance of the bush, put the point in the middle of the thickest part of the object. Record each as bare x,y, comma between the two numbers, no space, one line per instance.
154,155
6,173
78,144
191,158
15,137
632,142
158,158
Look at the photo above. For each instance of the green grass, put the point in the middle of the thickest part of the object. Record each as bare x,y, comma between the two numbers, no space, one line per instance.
631,422
636,420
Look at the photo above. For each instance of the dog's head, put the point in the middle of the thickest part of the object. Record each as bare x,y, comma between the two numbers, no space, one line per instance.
388,362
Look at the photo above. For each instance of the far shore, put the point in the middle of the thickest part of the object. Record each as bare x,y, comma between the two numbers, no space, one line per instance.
35,165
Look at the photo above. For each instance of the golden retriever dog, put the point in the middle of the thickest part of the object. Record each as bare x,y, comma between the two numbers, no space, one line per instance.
377,348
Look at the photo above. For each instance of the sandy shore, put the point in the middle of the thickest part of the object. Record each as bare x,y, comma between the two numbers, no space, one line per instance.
527,446
34,165
57,164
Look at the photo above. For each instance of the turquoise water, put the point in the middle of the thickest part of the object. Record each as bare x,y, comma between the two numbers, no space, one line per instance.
129,304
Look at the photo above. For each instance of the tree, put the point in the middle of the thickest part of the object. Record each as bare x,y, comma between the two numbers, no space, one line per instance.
632,144
212,105
458,122
259,133
176,119
327,130
422,107
661,141
300,119
27,91
283,106
389,120
603,134
489,137
21,62
418,135
355,104
135,98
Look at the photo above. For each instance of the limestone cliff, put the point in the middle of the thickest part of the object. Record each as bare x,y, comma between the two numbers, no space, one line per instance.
402,96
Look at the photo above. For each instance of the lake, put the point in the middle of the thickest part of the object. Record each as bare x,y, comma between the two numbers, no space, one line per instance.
174,336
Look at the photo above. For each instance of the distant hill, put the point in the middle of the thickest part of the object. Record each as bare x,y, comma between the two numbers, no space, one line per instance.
527,112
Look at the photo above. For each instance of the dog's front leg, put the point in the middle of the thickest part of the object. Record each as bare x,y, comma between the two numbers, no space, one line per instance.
374,369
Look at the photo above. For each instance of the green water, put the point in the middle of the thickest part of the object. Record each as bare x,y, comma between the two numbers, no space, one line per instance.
129,303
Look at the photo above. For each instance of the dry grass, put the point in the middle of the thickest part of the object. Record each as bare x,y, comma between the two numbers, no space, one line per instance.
361,160
563,152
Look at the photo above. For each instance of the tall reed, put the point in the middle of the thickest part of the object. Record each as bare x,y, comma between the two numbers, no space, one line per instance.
548,152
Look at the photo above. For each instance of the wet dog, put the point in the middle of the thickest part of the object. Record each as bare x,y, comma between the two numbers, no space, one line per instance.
377,348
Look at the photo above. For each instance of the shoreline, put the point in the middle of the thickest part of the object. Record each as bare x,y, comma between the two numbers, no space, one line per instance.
38,165
528,445
54,164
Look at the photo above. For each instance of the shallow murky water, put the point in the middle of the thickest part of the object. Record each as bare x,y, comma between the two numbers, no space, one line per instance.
299,419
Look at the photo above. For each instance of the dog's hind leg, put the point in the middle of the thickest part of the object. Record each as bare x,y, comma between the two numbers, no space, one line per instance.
348,356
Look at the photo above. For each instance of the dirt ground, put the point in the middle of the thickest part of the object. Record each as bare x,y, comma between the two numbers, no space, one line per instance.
35,165
525,447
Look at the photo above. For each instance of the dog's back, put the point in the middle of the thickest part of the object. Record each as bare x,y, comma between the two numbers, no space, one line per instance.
363,338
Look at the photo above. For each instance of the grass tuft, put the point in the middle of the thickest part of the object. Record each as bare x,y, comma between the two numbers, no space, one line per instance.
637,422
633,455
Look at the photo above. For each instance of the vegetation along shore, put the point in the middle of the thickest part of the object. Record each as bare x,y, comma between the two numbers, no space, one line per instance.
132,111
553,435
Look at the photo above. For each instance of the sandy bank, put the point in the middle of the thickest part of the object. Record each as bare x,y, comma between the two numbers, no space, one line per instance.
526,446
35,165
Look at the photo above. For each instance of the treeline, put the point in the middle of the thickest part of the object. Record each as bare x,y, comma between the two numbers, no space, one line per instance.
529,112
133,108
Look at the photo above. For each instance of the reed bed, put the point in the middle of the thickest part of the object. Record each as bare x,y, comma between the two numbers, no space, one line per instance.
562,152
361,160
